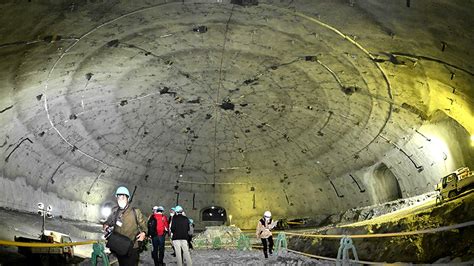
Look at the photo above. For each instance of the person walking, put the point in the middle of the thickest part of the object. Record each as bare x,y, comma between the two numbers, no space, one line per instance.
191,233
157,229
179,236
170,218
264,227
126,222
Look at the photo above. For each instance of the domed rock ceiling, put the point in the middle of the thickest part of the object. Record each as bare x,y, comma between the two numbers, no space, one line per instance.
300,107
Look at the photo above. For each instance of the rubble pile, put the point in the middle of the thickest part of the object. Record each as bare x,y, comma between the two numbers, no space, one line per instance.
369,212
217,237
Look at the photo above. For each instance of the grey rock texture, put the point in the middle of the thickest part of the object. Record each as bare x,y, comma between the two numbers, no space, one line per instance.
304,108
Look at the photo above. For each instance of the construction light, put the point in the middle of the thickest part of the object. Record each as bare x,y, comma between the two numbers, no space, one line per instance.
106,211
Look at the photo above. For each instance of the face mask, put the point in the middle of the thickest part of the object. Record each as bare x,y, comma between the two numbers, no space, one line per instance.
122,203
172,214
267,218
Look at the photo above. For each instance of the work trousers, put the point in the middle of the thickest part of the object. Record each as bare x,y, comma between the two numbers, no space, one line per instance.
131,259
269,246
158,252
182,246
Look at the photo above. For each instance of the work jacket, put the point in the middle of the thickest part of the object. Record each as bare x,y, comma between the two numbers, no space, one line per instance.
179,227
263,228
129,226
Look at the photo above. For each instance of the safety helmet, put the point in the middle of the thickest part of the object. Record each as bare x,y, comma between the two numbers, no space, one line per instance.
267,214
173,209
155,208
122,191
191,221
178,209
160,209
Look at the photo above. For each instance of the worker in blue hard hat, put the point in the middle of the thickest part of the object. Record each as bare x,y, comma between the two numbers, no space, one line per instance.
125,222
190,233
179,235
170,219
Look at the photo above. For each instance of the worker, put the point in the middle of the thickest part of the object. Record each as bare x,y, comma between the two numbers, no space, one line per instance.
157,229
264,227
179,236
170,218
125,221
191,233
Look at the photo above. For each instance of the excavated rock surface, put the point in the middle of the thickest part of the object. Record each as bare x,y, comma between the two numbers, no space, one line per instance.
421,248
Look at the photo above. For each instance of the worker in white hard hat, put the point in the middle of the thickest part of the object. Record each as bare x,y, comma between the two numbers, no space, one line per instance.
157,230
264,227
125,222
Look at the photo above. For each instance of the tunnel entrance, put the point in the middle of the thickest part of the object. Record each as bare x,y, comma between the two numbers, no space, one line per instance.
386,185
214,214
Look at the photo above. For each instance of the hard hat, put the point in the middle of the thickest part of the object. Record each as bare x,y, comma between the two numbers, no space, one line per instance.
122,191
191,221
267,214
173,209
178,209
160,208
155,208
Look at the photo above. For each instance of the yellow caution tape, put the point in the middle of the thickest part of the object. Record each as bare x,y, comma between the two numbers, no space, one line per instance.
45,245
295,223
426,231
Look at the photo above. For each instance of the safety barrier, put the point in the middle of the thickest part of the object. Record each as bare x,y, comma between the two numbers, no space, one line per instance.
281,244
347,245
243,243
45,245
98,251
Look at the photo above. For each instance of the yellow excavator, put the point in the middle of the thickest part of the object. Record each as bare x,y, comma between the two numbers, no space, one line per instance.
454,184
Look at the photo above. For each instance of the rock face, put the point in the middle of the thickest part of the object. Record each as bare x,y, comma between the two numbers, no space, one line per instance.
369,212
418,248
217,237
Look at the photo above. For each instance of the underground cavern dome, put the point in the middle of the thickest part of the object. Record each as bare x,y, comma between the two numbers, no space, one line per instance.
314,110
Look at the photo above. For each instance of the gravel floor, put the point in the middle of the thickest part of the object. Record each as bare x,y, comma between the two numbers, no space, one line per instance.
234,257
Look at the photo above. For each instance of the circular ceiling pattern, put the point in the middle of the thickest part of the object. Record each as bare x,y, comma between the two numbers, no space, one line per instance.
224,95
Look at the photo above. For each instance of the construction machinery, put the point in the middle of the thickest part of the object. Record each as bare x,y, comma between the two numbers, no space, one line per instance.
455,183
47,255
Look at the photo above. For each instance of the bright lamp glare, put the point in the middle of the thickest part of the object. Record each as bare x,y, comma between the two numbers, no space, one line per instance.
106,211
